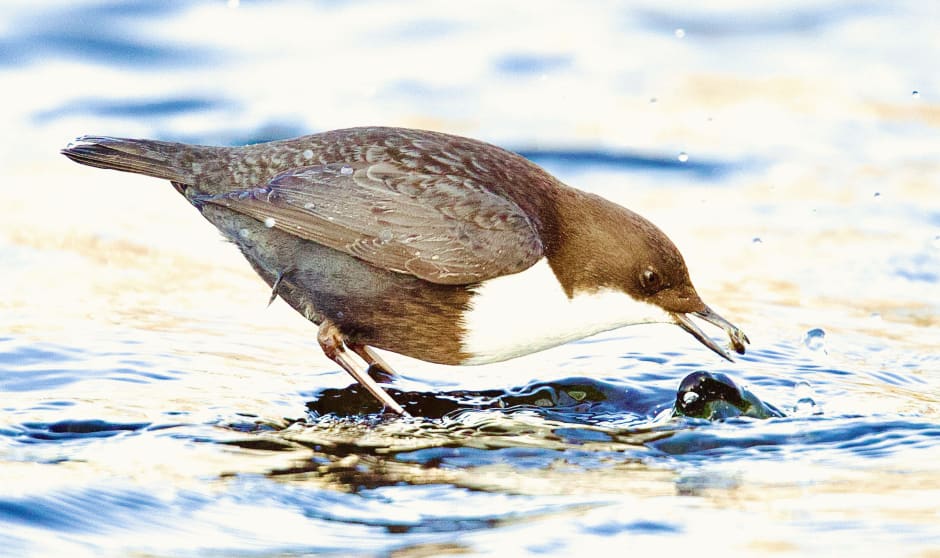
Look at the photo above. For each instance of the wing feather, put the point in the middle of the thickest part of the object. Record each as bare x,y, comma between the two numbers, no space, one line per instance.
445,229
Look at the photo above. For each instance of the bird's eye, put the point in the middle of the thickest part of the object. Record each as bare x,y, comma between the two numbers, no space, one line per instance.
649,280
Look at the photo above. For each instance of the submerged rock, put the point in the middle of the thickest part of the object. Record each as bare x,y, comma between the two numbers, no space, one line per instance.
714,396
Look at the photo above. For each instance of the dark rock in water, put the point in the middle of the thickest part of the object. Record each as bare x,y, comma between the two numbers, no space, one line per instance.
576,399
707,395
714,396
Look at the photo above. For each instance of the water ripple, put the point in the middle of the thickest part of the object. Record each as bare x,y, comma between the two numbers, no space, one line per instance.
120,108
68,511
76,429
99,33
26,366
836,438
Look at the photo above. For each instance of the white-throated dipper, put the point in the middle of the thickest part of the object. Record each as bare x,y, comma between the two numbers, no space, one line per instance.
442,248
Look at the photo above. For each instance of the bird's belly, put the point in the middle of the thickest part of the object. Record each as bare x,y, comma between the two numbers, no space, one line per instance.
518,314
384,309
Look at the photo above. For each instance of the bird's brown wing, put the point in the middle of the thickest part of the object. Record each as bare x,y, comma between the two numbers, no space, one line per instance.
442,228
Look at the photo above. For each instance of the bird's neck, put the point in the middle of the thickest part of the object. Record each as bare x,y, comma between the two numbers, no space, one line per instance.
529,311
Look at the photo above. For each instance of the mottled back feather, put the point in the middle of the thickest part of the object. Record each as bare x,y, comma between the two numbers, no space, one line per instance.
444,229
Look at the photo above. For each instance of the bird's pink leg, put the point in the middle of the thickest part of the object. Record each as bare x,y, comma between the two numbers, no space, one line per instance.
380,370
334,347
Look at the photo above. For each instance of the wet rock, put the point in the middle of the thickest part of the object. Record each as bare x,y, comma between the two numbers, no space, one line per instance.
714,396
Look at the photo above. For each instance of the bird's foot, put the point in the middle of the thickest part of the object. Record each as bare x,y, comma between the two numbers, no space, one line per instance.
334,347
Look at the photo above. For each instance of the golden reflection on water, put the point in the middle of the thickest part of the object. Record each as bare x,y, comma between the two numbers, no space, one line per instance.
786,493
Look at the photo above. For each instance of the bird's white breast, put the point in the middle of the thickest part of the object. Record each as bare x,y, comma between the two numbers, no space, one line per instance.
526,312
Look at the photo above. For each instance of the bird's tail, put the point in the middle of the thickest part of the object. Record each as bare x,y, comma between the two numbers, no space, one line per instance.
172,161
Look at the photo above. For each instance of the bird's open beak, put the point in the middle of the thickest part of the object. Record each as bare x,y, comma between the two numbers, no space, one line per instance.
737,337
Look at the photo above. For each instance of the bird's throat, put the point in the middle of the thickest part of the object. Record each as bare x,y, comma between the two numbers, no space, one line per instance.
514,315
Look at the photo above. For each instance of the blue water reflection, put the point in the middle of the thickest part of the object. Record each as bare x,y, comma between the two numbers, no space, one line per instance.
96,33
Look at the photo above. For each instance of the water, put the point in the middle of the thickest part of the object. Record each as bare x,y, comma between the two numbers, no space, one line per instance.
151,403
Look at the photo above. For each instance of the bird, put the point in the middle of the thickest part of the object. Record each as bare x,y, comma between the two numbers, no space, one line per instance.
435,246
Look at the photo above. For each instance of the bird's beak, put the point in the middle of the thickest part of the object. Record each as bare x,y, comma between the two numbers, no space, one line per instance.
737,337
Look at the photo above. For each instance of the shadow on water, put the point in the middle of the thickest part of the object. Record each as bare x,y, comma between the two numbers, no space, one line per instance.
577,400
75,429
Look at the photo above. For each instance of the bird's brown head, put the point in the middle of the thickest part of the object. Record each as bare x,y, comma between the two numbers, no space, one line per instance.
661,277
639,259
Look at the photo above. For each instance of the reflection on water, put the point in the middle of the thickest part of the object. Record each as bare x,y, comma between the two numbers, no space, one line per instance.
152,405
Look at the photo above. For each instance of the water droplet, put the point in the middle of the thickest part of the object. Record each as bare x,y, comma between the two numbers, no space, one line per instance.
815,339
756,240
689,397
417,253
915,93
435,257
683,157
346,169
310,205
244,233
802,389
385,235
308,154
805,399
270,222
680,33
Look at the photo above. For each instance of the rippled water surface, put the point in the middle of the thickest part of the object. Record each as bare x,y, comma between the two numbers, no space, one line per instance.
151,405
